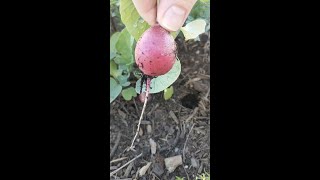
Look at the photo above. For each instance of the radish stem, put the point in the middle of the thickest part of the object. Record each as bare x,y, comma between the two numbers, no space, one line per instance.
143,109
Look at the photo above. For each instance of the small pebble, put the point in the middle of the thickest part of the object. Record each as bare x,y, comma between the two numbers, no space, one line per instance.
176,149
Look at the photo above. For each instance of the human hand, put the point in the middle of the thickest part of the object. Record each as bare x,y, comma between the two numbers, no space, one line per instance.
170,14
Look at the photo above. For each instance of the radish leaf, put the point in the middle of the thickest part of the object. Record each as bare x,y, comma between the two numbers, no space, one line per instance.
193,29
167,93
124,48
113,40
128,93
160,83
131,19
115,89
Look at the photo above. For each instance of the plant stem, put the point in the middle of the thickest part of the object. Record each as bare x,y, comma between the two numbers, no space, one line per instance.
143,109
115,171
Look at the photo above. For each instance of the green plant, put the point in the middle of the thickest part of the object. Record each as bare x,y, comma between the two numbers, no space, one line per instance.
179,178
123,72
203,176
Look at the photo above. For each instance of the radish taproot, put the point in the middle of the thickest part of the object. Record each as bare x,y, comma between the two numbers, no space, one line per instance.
142,97
155,51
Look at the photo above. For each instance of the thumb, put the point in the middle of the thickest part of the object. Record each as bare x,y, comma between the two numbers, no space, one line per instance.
171,14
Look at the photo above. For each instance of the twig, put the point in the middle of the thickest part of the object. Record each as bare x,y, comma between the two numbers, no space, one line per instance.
115,145
143,109
201,117
115,171
193,114
206,96
117,160
203,106
185,143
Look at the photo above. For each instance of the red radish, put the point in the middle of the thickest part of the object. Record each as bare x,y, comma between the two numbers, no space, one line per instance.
155,51
155,55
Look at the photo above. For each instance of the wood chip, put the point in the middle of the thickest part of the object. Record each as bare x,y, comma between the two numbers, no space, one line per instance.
140,132
193,80
122,114
173,162
149,129
153,146
144,169
194,163
113,167
128,170
203,76
143,122
193,114
198,86
174,117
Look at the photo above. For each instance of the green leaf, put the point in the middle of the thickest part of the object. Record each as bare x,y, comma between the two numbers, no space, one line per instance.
131,19
201,10
160,83
128,93
124,48
115,89
167,93
123,80
194,29
122,75
114,69
125,84
113,40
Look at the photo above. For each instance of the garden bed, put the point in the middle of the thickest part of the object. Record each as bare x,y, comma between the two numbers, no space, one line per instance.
168,123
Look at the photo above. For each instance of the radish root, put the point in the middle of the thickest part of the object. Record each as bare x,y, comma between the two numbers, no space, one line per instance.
143,109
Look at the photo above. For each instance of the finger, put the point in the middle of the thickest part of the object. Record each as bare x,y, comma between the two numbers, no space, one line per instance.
171,14
147,10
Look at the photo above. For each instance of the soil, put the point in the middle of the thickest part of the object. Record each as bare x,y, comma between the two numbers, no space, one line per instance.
168,123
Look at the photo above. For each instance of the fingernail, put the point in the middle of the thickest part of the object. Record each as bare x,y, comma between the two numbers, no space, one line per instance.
173,18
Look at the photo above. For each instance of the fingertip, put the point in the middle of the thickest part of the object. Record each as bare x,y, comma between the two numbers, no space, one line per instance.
173,18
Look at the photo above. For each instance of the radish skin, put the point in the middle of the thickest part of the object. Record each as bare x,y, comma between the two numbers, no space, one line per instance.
155,51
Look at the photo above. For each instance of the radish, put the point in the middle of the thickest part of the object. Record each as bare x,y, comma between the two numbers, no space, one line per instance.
155,55
155,51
